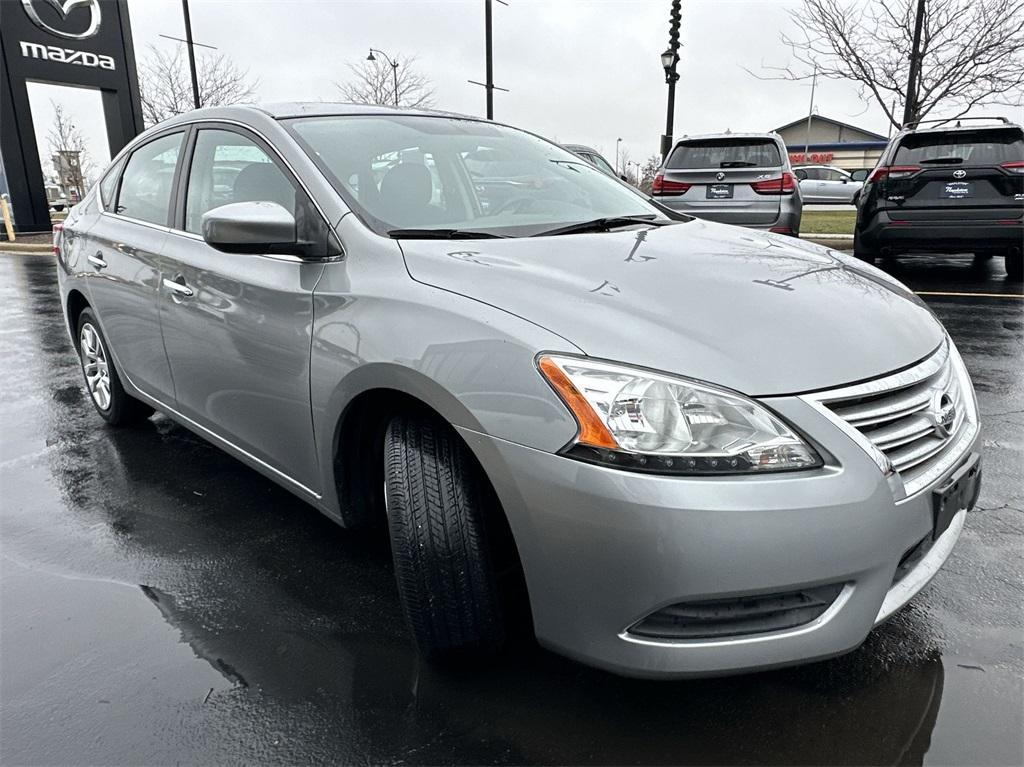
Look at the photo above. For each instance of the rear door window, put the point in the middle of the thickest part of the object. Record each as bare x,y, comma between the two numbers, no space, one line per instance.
962,147
725,153
145,192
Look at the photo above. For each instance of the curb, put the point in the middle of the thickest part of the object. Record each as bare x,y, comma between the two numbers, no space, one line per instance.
14,248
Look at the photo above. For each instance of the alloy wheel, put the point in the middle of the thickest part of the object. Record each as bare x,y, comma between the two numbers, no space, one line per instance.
94,363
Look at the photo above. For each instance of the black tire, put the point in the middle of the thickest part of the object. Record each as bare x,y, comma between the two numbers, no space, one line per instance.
860,251
121,409
1014,266
435,500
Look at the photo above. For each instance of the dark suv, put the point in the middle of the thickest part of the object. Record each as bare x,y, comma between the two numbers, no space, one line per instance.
947,190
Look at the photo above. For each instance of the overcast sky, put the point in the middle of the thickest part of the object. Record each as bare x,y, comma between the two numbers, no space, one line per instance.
578,72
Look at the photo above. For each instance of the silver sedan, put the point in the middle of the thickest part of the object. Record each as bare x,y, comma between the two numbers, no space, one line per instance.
662,434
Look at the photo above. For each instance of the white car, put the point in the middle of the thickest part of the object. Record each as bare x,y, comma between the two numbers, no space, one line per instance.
825,184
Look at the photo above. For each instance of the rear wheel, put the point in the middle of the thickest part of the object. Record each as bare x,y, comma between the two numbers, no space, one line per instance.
435,499
860,251
112,402
1015,266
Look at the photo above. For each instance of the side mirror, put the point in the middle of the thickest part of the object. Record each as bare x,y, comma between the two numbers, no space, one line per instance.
250,227
846,180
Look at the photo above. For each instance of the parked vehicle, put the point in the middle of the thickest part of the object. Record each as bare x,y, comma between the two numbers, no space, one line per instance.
55,198
735,178
592,156
663,434
947,189
826,184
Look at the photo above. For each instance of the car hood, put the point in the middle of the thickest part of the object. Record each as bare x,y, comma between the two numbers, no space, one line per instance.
756,312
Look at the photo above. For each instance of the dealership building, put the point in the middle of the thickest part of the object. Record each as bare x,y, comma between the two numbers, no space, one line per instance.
824,141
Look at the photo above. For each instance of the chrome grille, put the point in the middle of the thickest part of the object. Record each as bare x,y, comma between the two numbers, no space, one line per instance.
901,417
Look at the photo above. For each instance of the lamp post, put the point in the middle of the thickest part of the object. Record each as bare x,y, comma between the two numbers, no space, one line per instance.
618,141
394,67
669,60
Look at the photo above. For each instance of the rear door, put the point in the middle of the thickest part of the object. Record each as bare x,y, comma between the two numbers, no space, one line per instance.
238,327
967,175
725,179
122,258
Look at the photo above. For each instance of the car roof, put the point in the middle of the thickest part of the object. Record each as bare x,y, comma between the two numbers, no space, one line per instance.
960,127
702,136
285,110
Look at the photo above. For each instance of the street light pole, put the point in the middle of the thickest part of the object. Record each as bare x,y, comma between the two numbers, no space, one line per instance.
617,142
191,54
669,60
810,113
392,63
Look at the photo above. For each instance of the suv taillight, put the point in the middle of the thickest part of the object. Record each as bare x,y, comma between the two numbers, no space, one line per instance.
661,186
784,184
1014,167
892,171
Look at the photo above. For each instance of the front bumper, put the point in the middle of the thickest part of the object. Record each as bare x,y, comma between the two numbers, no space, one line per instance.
602,548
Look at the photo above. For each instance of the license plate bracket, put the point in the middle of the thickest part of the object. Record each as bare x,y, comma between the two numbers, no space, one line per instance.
960,491
957,190
719,192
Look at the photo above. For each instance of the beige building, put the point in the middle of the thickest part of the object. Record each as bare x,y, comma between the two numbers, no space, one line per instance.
831,142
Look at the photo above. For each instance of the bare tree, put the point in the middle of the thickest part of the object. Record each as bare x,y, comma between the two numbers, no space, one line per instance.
648,171
165,84
971,52
373,82
68,152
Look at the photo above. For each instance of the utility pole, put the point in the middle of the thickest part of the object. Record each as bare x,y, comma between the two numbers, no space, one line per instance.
489,79
810,113
910,106
191,54
488,83
669,60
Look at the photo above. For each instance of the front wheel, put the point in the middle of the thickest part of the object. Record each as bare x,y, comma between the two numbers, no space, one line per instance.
112,402
436,502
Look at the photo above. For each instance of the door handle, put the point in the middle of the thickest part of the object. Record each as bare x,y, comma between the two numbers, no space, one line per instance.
98,261
177,288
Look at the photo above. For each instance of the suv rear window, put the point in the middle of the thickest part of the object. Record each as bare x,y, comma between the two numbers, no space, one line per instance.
962,147
725,153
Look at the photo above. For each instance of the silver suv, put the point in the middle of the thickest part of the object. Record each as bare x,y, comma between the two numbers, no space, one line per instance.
663,434
736,178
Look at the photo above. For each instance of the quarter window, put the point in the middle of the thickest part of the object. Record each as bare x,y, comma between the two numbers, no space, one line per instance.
109,185
228,167
148,179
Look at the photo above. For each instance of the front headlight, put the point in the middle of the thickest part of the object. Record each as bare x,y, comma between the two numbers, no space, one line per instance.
635,419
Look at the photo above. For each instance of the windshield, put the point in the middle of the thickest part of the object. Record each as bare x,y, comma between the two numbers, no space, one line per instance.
980,147
408,172
725,153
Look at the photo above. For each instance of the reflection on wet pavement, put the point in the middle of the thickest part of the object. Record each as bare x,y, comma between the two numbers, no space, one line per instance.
161,603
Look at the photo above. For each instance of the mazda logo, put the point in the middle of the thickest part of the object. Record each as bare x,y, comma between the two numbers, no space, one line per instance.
943,414
959,173
64,8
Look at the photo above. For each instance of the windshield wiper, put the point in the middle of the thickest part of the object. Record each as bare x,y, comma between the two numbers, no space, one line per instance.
942,161
442,234
602,224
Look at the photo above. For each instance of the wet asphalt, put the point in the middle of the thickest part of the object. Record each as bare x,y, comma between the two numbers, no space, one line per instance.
160,603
